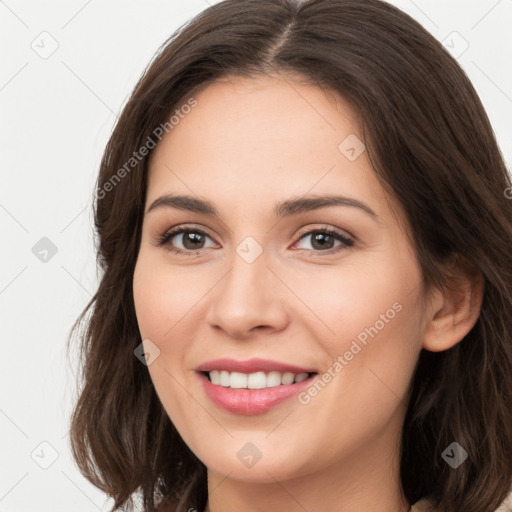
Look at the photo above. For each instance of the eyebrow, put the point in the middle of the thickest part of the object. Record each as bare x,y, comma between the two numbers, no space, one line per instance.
281,210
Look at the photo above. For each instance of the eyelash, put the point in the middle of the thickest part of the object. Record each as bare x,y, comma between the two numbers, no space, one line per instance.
164,239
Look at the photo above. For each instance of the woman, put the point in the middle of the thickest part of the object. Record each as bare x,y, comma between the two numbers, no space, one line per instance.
305,238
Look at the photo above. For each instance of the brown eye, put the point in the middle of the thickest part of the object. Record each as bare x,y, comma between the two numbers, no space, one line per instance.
324,240
190,238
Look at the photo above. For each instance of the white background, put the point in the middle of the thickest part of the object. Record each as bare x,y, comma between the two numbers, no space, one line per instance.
57,114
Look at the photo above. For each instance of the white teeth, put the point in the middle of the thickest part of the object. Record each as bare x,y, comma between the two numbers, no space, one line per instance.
238,380
224,378
257,380
273,379
287,378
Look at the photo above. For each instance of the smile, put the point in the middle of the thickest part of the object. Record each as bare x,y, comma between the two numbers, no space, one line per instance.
252,393
257,380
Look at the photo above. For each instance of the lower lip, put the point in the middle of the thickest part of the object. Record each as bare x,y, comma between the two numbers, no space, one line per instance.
251,401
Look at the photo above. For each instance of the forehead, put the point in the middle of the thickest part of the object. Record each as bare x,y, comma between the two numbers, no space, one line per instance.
261,115
266,107
248,139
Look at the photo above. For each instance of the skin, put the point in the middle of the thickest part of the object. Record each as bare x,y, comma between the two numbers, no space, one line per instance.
248,144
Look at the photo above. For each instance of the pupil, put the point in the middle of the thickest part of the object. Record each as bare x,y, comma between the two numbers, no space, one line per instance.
191,237
322,236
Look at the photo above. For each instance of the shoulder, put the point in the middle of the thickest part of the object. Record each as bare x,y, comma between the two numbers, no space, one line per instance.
506,506
424,505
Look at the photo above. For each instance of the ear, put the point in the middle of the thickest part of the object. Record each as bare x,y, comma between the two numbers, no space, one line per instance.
453,311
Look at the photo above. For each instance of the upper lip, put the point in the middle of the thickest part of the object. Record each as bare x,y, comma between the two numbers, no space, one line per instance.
251,366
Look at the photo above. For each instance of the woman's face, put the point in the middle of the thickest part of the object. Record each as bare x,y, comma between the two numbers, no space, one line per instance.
261,279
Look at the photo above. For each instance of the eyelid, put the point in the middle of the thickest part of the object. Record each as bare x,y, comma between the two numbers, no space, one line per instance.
346,240
325,227
162,238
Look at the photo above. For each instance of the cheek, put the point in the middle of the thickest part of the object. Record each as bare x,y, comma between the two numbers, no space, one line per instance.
163,297
369,320
168,309
161,305
341,303
374,321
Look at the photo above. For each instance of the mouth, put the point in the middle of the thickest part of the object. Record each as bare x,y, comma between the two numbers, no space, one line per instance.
252,393
255,380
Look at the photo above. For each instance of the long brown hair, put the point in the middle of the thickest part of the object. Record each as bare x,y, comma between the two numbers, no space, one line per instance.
432,147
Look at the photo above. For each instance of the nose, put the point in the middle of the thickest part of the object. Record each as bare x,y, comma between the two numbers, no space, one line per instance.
250,297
